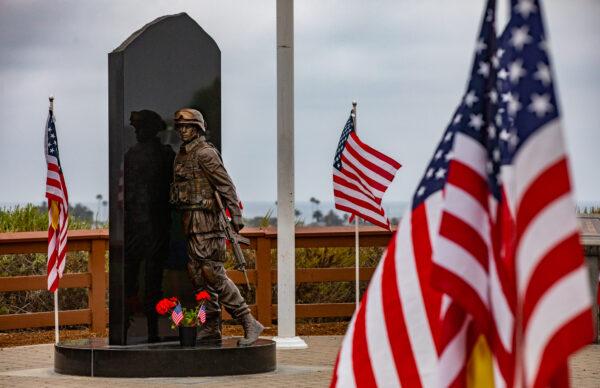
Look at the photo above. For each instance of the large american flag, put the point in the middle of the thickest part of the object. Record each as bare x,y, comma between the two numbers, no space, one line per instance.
495,210
361,175
58,207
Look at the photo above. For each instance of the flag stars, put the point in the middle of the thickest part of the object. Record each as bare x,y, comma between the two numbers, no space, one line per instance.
543,74
476,121
440,173
513,141
520,37
516,71
449,156
438,154
491,130
502,74
525,8
484,69
504,135
540,104
448,137
480,45
498,119
493,95
496,154
421,191
457,119
471,98
429,172
512,100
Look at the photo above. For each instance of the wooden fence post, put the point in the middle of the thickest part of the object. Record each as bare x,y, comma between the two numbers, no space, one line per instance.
263,283
97,292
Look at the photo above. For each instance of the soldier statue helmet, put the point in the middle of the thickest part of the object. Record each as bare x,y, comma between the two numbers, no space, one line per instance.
199,173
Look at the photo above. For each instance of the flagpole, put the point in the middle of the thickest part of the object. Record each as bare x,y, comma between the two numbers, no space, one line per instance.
356,245
56,336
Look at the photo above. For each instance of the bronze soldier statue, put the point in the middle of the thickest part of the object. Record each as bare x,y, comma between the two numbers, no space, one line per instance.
198,173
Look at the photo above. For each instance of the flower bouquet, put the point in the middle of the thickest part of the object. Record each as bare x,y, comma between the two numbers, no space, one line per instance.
187,319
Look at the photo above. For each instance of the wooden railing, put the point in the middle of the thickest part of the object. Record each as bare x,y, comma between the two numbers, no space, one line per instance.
93,241
263,241
262,276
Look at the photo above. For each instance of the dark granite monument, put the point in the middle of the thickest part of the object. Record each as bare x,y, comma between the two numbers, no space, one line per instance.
168,64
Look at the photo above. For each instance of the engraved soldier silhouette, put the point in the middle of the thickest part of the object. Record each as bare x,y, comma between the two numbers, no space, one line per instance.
147,176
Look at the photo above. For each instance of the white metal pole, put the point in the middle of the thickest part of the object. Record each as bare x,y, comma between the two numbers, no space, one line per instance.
286,257
56,338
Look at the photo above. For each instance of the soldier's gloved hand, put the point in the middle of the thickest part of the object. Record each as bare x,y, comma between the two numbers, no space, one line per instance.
237,223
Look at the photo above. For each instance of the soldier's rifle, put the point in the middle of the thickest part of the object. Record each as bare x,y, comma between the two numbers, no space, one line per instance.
234,238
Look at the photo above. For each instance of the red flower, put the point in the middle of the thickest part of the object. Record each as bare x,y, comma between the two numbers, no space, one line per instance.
202,295
165,305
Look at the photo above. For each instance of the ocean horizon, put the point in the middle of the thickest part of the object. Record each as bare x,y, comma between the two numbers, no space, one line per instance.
252,209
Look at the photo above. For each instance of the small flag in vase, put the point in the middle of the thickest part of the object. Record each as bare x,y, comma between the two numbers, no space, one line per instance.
177,314
202,314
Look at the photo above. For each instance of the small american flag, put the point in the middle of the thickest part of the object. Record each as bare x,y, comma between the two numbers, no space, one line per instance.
202,314
177,314
58,207
361,175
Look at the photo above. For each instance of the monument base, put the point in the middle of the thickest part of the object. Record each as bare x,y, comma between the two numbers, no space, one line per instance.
94,357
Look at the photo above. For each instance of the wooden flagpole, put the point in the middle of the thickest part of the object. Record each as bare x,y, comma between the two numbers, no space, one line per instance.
356,245
56,336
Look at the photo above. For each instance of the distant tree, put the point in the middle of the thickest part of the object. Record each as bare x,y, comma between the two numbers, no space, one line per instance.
81,212
318,216
315,201
332,219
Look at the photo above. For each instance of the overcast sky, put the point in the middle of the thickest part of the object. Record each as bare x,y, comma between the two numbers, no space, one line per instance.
406,62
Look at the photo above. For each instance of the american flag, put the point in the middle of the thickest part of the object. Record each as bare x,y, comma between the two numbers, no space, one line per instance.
58,207
202,314
495,206
508,252
361,175
177,314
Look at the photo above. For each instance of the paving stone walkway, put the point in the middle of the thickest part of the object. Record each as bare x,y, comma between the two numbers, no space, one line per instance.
32,366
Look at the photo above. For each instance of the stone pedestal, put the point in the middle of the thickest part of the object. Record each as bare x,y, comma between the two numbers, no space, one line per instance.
94,357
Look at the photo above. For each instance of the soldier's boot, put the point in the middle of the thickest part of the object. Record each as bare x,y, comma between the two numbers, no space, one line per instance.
211,329
252,329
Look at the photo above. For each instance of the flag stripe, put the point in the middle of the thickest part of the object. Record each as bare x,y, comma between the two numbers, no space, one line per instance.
396,329
375,171
360,355
550,315
379,349
375,156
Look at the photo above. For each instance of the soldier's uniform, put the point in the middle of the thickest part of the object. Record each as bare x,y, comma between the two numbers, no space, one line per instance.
198,172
